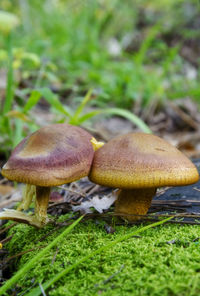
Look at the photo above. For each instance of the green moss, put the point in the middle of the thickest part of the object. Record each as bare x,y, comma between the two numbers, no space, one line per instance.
144,265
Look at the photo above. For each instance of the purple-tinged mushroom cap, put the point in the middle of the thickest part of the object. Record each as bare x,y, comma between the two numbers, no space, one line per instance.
53,155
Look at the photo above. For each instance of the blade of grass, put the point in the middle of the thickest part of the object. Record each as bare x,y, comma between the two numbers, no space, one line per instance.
85,117
53,100
130,116
80,108
37,291
140,56
18,135
35,259
32,101
9,86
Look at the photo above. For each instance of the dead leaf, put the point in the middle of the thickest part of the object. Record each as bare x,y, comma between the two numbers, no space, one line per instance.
98,203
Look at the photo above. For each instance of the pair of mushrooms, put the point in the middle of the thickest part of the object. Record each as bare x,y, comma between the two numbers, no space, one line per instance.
136,163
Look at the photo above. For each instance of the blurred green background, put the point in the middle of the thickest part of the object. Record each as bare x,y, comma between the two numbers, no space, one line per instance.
130,53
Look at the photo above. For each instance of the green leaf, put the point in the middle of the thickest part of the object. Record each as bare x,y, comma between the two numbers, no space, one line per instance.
84,117
53,100
130,116
18,134
32,101
140,56
9,84
82,105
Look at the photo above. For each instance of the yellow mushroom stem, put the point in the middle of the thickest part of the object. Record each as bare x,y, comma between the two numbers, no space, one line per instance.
134,202
30,192
41,203
28,195
39,219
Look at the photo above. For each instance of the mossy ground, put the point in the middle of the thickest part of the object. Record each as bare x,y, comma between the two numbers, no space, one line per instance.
144,265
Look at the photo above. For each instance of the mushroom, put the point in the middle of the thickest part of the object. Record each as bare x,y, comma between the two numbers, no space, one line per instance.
138,163
52,156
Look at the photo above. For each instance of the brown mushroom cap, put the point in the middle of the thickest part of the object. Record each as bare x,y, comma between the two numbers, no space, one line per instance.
53,155
138,160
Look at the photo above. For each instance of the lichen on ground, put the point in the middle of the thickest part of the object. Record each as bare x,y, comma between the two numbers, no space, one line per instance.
160,261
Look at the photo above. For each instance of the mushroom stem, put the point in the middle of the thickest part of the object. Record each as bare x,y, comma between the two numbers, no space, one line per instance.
41,203
134,201
28,195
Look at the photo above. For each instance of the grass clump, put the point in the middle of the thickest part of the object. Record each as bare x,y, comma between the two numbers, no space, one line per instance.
160,261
